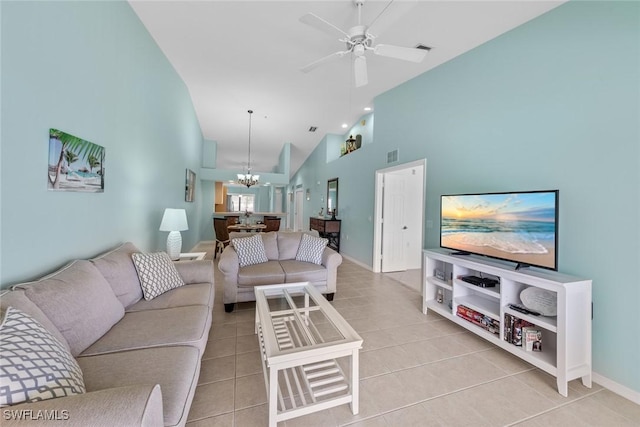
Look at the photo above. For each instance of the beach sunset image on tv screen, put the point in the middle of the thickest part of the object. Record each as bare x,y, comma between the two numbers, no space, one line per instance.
519,227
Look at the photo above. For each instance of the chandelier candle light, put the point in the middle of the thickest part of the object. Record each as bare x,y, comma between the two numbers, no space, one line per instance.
174,221
247,179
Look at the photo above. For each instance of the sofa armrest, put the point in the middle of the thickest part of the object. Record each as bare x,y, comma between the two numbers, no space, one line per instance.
331,259
199,271
139,405
229,263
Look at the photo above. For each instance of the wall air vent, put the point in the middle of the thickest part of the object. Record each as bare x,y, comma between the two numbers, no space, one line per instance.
392,156
313,128
423,47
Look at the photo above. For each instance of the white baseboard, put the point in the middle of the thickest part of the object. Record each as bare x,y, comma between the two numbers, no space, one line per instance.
617,388
355,261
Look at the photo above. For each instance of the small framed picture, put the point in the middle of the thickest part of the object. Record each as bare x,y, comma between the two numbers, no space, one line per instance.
190,186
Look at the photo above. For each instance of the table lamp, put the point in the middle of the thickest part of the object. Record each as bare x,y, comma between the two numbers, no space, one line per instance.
174,221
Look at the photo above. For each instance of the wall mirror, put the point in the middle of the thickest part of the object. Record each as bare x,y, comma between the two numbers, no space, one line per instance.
332,195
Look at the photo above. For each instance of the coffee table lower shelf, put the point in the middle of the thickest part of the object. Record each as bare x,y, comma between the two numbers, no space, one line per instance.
305,385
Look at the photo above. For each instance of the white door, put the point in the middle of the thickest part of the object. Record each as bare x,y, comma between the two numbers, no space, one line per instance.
298,211
393,223
399,217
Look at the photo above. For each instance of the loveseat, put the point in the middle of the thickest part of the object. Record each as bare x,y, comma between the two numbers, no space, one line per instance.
139,359
282,265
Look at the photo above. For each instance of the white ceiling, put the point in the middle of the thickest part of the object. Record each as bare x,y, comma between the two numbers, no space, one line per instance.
240,55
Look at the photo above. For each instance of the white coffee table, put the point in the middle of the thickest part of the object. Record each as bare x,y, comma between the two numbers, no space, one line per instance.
301,336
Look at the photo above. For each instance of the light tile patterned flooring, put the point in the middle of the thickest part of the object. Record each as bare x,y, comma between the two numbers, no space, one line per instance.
415,370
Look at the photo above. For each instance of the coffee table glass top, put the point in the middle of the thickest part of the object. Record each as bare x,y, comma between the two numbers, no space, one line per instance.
300,318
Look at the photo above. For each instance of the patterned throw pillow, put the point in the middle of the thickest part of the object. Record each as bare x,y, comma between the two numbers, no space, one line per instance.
33,364
311,249
157,274
250,250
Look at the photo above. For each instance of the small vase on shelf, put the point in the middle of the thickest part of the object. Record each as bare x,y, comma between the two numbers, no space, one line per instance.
333,214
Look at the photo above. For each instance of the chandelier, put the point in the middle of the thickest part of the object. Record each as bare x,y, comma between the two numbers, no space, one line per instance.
247,179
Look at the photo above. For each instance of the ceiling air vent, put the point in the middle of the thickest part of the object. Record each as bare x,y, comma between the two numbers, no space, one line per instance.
392,156
423,47
313,128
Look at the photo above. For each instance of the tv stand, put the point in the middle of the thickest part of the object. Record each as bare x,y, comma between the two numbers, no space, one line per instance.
460,253
566,338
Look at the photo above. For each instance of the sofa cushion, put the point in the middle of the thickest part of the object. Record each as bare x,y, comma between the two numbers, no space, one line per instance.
250,250
194,294
156,328
78,301
311,249
117,268
176,369
35,365
298,271
270,242
18,299
157,273
289,241
267,273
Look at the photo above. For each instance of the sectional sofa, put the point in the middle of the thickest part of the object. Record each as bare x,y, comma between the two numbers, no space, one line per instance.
139,359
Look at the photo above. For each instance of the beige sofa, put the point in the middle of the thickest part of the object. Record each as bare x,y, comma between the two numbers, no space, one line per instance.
140,360
281,248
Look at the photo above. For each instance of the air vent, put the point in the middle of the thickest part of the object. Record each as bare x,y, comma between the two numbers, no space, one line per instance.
392,156
423,47
313,128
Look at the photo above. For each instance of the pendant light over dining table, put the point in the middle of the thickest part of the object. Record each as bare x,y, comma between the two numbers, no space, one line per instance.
248,179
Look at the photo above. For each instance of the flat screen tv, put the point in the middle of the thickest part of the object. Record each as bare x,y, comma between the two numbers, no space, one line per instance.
521,227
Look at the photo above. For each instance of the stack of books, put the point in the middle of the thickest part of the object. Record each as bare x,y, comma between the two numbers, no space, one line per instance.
479,319
521,333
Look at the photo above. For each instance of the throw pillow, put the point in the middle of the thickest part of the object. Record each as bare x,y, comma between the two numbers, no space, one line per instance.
250,250
34,365
311,249
157,274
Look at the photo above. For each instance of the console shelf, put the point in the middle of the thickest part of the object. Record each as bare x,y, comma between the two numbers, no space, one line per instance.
566,338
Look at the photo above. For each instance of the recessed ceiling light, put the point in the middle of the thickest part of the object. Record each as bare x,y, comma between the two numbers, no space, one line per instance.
344,126
367,108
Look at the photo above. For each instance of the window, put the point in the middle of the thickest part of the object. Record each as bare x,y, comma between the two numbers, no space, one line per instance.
241,202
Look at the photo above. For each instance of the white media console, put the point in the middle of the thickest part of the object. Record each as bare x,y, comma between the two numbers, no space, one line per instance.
566,338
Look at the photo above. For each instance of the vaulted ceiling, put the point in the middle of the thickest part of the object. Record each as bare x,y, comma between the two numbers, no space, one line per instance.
240,55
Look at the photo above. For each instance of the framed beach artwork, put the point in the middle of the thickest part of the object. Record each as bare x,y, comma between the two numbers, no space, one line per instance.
190,186
74,164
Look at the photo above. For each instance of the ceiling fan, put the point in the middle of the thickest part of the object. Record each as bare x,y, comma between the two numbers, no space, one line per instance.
359,40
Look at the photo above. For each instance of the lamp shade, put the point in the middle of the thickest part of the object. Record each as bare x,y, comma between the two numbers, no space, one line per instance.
174,220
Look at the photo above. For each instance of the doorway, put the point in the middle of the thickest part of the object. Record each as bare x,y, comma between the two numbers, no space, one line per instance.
399,217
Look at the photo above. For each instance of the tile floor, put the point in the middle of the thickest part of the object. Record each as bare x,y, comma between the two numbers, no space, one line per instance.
415,370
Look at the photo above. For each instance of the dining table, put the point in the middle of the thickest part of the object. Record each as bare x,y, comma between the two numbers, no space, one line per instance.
246,227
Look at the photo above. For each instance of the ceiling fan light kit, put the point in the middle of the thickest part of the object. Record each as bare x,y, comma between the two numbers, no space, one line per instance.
359,40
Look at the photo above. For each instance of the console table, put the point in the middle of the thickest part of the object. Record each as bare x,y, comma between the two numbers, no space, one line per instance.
329,229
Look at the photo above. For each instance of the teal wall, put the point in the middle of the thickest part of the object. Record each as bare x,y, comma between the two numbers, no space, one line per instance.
92,70
553,104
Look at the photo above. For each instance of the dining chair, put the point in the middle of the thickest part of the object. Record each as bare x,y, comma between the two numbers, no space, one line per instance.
222,234
273,224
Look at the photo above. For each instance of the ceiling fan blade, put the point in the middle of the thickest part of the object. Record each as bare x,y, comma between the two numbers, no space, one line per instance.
406,53
392,12
320,24
360,71
326,59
